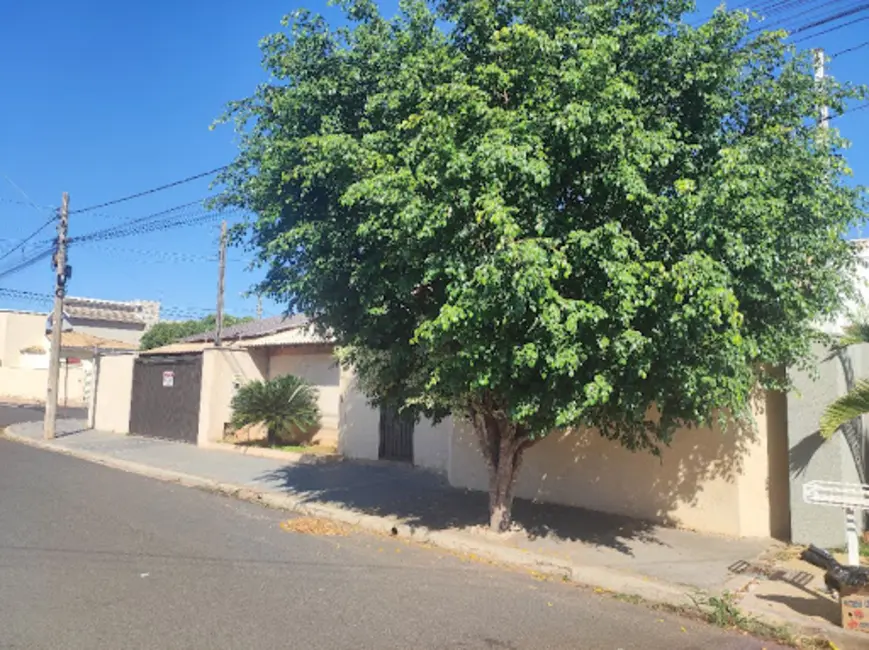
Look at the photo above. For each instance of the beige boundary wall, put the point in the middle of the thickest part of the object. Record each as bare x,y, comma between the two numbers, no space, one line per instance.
224,370
30,384
318,366
110,410
359,430
732,483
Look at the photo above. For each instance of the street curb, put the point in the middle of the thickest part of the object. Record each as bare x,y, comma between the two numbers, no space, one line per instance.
601,579
290,456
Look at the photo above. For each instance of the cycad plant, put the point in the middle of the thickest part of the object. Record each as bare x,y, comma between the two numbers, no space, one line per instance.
286,406
856,401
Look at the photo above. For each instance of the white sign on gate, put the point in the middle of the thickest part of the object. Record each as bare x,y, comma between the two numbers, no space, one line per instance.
168,378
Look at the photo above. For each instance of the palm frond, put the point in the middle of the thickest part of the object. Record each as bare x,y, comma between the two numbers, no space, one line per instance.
851,405
286,405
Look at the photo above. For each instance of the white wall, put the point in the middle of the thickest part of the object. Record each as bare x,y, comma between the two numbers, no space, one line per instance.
31,384
431,444
114,392
358,428
36,361
223,370
321,369
126,332
19,330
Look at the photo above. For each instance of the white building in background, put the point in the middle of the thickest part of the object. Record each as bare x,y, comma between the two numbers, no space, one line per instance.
89,326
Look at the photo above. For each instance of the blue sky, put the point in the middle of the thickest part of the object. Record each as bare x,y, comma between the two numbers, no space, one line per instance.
104,99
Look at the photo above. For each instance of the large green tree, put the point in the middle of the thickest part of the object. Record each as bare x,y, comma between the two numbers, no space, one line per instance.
547,214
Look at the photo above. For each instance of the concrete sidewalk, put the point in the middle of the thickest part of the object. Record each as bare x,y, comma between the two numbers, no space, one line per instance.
565,537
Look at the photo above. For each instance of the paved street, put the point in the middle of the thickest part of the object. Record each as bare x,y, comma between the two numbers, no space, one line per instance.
96,558
11,413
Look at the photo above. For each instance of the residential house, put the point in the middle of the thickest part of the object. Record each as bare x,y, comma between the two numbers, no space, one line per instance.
184,390
89,326
111,319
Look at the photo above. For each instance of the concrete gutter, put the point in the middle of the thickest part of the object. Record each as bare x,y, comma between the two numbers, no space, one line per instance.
298,457
610,580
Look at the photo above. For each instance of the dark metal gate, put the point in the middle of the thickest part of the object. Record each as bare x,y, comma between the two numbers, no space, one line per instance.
166,390
396,435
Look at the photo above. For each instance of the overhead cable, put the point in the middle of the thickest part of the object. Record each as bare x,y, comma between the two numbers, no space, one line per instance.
27,239
153,190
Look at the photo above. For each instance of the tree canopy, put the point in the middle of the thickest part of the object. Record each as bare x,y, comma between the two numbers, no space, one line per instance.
544,214
170,331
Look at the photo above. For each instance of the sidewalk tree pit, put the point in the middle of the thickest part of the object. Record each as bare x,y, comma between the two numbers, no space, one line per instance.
543,215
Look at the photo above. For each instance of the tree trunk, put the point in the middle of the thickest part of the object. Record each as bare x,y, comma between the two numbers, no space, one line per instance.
271,436
503,444
502,479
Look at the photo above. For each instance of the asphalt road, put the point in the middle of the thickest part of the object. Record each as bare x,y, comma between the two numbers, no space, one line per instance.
15,413
93,558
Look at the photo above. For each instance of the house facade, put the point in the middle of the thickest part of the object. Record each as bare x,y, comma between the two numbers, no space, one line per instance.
111,319
89,327
184,390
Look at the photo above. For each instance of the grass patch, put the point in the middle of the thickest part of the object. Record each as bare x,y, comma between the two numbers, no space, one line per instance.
723,612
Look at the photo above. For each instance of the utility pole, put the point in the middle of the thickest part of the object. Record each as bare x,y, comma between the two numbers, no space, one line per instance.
221,273
259,307
61,272
819,78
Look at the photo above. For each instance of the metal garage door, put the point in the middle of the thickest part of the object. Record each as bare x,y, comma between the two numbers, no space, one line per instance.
165,402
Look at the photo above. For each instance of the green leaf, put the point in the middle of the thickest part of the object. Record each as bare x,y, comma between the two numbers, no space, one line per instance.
850,406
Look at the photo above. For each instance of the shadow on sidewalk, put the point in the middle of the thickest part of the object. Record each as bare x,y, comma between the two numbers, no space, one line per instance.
423,498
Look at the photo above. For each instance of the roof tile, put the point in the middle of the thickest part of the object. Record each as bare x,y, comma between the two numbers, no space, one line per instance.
254,328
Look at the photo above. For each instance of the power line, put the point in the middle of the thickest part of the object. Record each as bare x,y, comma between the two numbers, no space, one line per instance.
141,229
168,256
850,49
861,107
831,19
148,217
27,263
28,200
786,19
139,220
175,256
178,312
27,239
151,191
832,29
201,201
26,295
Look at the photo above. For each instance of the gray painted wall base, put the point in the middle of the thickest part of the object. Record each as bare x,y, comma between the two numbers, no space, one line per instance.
813,458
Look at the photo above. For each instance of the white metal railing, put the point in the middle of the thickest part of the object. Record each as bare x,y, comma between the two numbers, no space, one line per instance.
848,496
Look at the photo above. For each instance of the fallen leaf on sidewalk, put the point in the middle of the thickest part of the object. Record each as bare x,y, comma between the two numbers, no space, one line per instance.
314,526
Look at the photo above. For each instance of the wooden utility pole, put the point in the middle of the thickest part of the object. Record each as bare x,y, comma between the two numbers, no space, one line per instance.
221,273
60,273
819,77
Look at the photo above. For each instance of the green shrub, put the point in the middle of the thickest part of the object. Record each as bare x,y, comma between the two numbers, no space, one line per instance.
286,406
